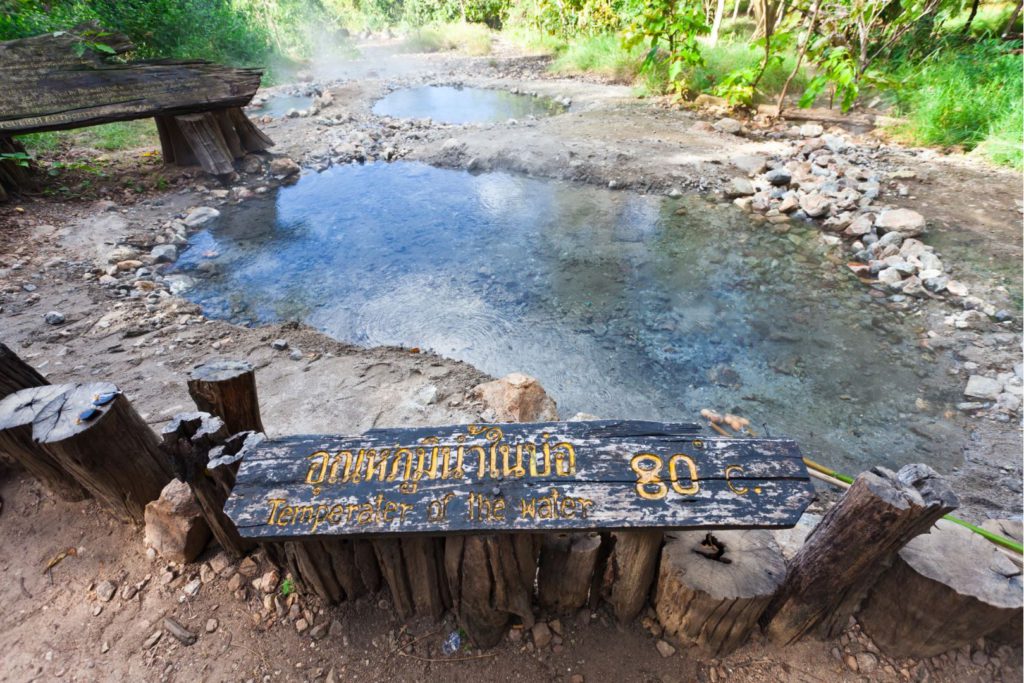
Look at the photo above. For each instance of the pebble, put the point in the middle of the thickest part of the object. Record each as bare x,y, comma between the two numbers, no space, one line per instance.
201,216
301,625
665,649
153,639
54,318
982,387
105,590
180,633
739,187
211,625
191,588
279,344
164,253
541,635
296,354
728,125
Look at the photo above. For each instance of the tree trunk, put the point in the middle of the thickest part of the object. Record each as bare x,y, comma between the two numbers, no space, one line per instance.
629,571
107,447
1013,20
713,587
717,23
567,564
970,18
17,413
16,374
799,57
851,546
945,589
736,10
190,439
227,389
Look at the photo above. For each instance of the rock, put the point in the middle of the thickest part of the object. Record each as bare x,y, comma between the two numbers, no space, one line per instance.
211,625
934,283
906,221
861,225
296,354
970,320
164,253
319,631
1002,315
779,177
200,216
175,526
54,318
152,640
866,662
556,627
248,567
541,635
279,344
517,398
191,588
123,253
105,590
815,205
284,167
180,633
834,143
894,239
751,164
128,592
252,164
982,387
268,582
790,202
739,187
811,130
912,286
957,288
128,264
728,125
891,277
221,563
576,678
665,649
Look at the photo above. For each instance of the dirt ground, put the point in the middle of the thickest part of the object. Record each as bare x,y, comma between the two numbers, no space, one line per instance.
55,626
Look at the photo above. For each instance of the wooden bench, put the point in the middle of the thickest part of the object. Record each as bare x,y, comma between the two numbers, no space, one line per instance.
77,78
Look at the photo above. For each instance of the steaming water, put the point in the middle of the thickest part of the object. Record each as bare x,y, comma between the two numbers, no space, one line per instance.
622,305
279,105
448,104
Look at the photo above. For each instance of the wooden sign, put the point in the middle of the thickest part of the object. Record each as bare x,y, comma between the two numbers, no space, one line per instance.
517,477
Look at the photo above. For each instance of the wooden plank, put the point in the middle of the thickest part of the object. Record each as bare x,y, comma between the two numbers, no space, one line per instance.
50,82
517,478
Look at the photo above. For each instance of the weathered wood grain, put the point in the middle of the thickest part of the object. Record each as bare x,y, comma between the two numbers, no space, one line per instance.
849,549
93,431
17,413
48,85
291,488
227,389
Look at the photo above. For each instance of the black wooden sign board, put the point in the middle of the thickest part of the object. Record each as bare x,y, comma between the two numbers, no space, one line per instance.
517,477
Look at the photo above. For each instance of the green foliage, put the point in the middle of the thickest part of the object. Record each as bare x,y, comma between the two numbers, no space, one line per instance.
108,137
669,30
836,66
970,97
287,587
17,158
568,19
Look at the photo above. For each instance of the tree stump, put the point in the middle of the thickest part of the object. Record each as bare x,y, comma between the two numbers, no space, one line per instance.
227,389
850,548
491,580
96,435
335,569
16,374
189,440
17,413
945,589
713,587
567,563
629,571
413,569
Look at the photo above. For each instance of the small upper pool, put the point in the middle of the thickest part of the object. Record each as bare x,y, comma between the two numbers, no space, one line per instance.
453,104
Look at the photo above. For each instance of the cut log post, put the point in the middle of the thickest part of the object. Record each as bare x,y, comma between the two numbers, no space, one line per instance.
189,440
413,569
945,589
17,413
629,571
95,434
252,138
491,580
334,569
851,547
227,389
16,374
713,587
205,139
566,569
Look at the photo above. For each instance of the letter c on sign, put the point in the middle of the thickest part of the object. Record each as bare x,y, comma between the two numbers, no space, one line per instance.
728,480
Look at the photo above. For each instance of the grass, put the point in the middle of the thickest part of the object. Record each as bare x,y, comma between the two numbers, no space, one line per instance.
533,41
109,137
603,55
472,39
970,97
990,20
